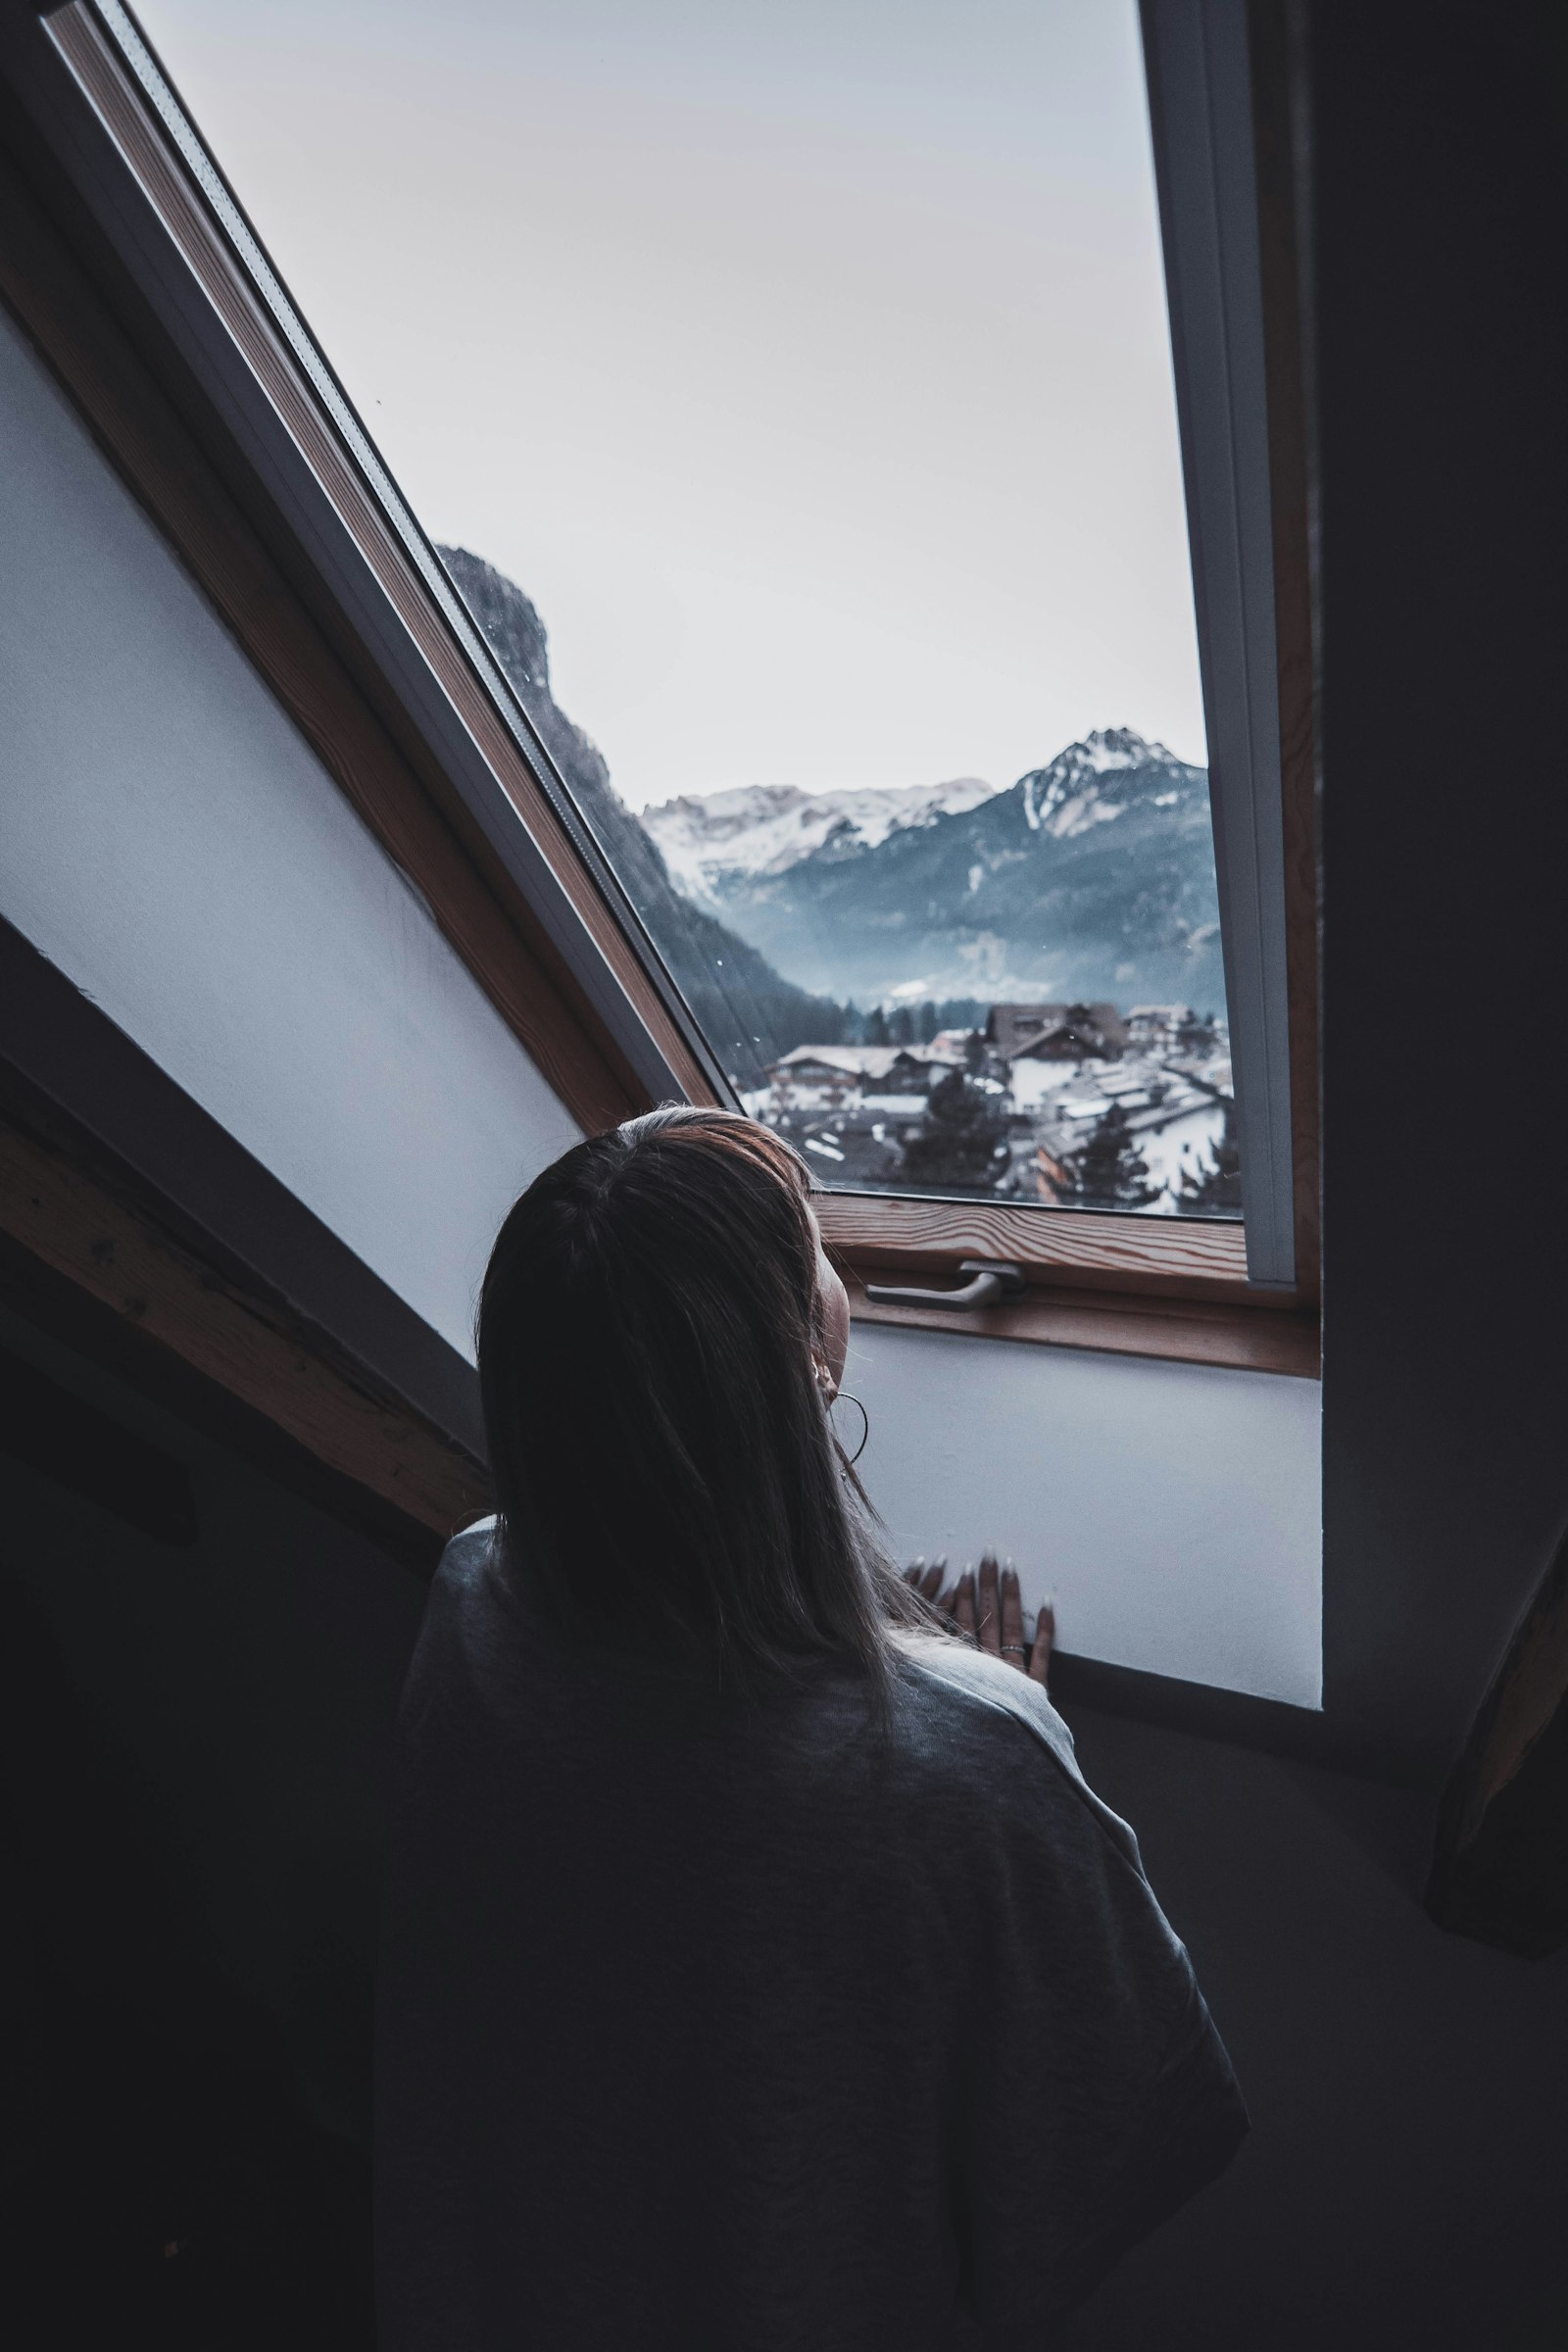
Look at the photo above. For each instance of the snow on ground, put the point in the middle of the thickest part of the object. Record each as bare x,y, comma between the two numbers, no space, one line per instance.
1175,1127
1183,1145
1033,1081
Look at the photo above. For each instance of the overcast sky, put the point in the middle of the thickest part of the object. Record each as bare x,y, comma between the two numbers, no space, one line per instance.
807,366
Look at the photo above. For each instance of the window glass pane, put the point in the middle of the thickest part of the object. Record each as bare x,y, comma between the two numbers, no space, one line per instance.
789,391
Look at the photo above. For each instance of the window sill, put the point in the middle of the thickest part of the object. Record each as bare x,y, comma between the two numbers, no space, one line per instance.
1124,1286
1173,1258
1245,1339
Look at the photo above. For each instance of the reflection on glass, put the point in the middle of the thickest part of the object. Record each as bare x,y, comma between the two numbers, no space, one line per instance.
808,372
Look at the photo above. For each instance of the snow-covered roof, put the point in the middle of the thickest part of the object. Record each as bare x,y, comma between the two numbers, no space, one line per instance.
856,1062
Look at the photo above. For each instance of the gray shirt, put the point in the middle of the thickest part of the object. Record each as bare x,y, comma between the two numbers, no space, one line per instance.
756,2027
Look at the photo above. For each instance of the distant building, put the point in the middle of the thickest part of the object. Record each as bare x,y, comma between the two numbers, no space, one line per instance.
1008,1026
862,1069
1150,1026
1056,1032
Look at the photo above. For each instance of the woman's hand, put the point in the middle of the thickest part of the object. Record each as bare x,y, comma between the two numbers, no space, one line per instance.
997,1622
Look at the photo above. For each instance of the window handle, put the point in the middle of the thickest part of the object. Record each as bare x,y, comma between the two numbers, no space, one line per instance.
990,1282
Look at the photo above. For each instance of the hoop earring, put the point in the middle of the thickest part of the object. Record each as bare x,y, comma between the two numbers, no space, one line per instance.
865,1424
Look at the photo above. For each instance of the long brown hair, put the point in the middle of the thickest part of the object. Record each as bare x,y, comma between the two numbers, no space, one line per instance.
666,1471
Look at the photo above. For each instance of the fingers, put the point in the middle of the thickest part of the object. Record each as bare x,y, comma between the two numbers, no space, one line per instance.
1044,1642
989,1625
990,1610
925,1578
1013,1647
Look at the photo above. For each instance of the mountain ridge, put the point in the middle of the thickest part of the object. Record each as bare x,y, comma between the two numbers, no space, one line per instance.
709,839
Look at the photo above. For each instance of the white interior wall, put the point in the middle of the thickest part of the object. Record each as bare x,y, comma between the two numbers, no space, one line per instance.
1172,1509
175,846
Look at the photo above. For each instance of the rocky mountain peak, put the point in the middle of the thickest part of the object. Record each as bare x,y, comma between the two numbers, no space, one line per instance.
508,620
1094,780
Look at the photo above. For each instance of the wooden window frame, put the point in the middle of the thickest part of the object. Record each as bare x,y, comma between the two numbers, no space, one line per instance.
129,262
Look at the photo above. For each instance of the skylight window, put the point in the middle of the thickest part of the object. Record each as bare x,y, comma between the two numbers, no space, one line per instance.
790,396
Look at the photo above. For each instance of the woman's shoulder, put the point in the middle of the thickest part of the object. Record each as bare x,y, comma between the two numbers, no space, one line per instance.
466,1634
964,1702
468,1555
964,1681
463,1591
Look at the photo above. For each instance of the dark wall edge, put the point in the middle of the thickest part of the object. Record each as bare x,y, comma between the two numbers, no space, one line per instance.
1267,1726
59,1040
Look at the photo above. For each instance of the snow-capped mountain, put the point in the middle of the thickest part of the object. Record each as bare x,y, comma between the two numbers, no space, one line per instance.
1091,877
1089,782
712,841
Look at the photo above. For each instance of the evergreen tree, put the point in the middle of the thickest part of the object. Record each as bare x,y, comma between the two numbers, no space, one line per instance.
876,1026
962,1142
1213,1188
1110,1172
901,1027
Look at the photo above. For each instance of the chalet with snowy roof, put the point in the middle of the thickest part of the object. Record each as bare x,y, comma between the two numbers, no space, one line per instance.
861,1069
1008,1026
1055,1032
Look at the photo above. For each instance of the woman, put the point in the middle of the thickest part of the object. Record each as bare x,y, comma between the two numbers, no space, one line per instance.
758,1971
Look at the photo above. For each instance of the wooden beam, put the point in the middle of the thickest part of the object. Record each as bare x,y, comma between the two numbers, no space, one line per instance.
110,1247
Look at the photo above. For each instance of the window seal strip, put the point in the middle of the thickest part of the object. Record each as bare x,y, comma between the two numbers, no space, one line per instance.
1202,121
